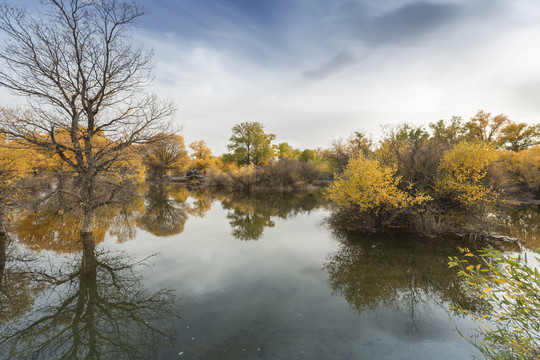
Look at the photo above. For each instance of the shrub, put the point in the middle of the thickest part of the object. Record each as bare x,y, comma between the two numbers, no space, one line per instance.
511,324
368,187
462,173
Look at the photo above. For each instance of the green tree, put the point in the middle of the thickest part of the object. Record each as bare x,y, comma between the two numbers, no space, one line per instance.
286,151
307,155
448,133
250,144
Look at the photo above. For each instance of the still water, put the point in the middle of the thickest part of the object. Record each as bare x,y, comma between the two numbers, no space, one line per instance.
180,274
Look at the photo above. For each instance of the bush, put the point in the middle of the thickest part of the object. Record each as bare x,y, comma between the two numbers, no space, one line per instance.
285,174
368,188
511,324
462,175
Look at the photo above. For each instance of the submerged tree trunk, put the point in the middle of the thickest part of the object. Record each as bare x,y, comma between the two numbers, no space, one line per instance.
3,242
88,199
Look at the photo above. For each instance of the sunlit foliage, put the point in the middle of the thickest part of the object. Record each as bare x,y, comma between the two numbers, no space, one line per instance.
462,173
201,156
366,185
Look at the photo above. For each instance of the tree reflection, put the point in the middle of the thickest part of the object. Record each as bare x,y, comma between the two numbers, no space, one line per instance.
166,210
96,308
371,272
55,224
250,214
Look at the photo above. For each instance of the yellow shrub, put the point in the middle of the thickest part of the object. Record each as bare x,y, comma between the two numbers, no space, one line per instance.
368,186
462,173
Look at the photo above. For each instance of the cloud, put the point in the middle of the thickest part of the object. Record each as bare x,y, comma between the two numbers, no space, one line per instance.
313,70
342,60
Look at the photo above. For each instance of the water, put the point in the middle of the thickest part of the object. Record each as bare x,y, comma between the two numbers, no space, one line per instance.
236,277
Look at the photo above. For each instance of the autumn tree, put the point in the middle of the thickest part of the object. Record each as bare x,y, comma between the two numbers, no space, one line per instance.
250,144
485,127
82,76
201,155
519,136
165,153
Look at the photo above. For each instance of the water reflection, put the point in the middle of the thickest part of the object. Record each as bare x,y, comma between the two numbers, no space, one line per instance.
523,223
55,225
249,215
166,210
397,271
94,307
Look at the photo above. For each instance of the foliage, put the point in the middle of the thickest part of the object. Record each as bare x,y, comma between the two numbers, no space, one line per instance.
524,168
307,155
164,154
250,144
413,153
283,174
485,127
285,151
519,136
462,172
85,84
366,185
511,324
451,133
202,156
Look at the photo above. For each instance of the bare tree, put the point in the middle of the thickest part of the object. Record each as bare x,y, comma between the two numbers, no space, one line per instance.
85,83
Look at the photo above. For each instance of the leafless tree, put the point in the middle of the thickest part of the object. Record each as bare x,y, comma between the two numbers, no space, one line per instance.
85,83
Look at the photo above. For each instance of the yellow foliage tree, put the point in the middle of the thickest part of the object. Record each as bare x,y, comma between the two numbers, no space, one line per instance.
202,156
366,185
524,168
165,153
462,173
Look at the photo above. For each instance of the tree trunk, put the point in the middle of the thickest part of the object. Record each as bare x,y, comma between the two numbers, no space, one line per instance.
87,223
88,204
3,243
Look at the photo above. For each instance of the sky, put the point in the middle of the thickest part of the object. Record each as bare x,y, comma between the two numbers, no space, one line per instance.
312,71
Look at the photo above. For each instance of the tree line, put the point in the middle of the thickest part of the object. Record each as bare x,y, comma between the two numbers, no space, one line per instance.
95,131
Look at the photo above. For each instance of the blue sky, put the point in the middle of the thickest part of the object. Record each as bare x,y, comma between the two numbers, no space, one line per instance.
315,70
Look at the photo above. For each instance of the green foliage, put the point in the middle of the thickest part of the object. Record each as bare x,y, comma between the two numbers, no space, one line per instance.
250,144
510,326
307,155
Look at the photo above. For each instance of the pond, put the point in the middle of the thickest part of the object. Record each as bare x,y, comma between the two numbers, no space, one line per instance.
183,274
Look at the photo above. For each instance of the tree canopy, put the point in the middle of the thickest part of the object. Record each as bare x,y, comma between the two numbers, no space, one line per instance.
250,144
